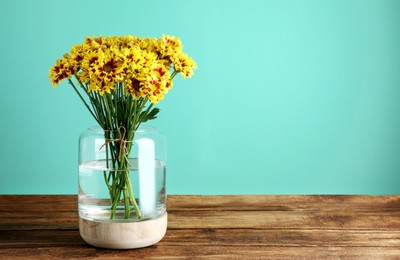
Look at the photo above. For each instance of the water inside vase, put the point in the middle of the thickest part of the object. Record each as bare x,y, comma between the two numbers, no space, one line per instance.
148,183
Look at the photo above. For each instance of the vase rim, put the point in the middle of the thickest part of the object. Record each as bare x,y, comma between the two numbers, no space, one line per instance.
142,128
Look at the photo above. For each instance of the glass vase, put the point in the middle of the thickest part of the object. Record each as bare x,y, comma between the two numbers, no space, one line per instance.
122,196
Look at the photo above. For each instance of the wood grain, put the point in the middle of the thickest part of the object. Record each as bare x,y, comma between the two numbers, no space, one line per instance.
217,227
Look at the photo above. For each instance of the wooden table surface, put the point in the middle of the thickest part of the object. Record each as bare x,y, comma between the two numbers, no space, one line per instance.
217,227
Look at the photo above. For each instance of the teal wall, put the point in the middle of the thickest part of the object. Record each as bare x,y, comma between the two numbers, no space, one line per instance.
290,97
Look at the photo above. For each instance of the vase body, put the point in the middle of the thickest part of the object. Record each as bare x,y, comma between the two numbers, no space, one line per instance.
107,218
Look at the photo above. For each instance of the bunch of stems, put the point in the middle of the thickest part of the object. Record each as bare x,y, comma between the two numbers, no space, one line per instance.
120,115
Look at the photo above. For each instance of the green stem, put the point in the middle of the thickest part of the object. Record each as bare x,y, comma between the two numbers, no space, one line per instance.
132,198
129,196
144,115
174,74
83,100
107,180
127,207
115,202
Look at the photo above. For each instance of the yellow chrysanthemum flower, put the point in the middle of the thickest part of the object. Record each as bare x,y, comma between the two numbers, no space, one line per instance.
60,71
170,45
184,64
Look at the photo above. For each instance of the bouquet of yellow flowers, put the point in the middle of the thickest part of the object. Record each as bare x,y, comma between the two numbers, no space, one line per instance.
119,79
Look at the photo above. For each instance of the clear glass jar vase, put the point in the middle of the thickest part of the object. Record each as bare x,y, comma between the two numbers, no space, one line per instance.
122,187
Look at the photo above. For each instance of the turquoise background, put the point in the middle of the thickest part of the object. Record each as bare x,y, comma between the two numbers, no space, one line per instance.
291,97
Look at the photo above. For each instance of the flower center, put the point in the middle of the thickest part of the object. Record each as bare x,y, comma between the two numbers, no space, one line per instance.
109,66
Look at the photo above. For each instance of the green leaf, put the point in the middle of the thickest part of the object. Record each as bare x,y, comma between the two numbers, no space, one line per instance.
150,116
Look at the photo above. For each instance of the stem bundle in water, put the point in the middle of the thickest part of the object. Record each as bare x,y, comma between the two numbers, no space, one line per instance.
118,180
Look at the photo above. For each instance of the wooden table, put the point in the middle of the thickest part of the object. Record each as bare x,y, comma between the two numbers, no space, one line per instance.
217,227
